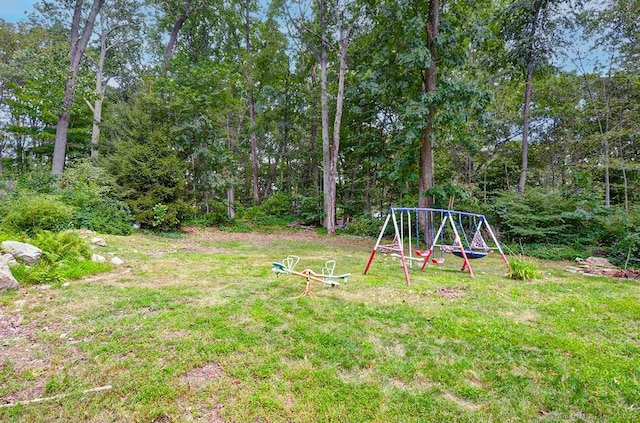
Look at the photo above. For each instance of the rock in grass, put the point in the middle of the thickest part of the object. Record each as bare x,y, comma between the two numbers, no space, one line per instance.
7,281
21,251
8,259
98,258
96,240
117,261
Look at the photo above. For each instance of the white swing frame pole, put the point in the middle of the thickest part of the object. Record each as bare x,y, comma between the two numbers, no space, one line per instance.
373,252
495,240
402,258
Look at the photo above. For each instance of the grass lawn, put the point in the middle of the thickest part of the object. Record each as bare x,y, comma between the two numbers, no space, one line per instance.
198,329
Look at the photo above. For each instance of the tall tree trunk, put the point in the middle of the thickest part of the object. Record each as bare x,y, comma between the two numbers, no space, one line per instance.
525,130
335,147
426,178
313,135
329,216
530,61
96,109
252,110
177,26
79,39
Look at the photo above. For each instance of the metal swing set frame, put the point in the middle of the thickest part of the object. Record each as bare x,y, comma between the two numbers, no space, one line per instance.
473,247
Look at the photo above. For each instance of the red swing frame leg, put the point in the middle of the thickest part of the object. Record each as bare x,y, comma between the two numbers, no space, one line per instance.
426,259
466,265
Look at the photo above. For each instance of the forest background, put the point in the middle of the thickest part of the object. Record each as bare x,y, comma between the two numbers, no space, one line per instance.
245,113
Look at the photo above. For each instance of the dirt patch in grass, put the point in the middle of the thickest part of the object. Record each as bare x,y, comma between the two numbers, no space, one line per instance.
204,374
201,249
460,402
449,292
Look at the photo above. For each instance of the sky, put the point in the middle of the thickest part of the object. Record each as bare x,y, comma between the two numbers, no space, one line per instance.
14,10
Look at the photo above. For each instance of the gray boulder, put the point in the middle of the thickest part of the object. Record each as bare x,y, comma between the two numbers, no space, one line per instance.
8,259
100,242
21,251
98,258
7,281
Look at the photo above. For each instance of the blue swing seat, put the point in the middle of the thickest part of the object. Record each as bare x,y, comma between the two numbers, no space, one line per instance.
470,254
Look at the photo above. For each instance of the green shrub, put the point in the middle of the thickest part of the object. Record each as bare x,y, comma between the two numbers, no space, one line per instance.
87,188
555,251
214,214
39,181
620,238
149,170
105,215
278,205
61,247
308,210
523,268
30,213
364,226
537,217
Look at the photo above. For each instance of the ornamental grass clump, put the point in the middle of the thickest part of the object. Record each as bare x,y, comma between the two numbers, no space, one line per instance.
523,268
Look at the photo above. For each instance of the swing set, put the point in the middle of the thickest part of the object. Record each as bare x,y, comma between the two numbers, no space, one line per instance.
455,232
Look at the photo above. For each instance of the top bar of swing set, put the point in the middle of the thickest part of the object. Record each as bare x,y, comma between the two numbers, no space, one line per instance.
422,209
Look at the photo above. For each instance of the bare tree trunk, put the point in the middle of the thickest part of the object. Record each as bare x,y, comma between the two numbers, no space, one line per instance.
177,26
79,39
335,148
329,218
525,131
315,174
426,178
231,139
96,109
252,110
527,99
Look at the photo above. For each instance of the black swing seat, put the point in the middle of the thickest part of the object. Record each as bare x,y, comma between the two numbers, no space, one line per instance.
470,254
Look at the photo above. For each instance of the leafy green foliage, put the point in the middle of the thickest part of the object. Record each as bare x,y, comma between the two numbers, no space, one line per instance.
41,273
65,255
150,176
29,214
61,247
88,187
536,217
308,209
363,226
278,205
523,268
619,235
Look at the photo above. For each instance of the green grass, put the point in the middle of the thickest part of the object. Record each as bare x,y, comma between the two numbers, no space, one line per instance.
198,328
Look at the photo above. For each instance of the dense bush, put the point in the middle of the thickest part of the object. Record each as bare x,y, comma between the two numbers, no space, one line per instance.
87,187
619,236
308,210
30,213
61,247
364,226
550,225
537,217
278,205
65,255
149,173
